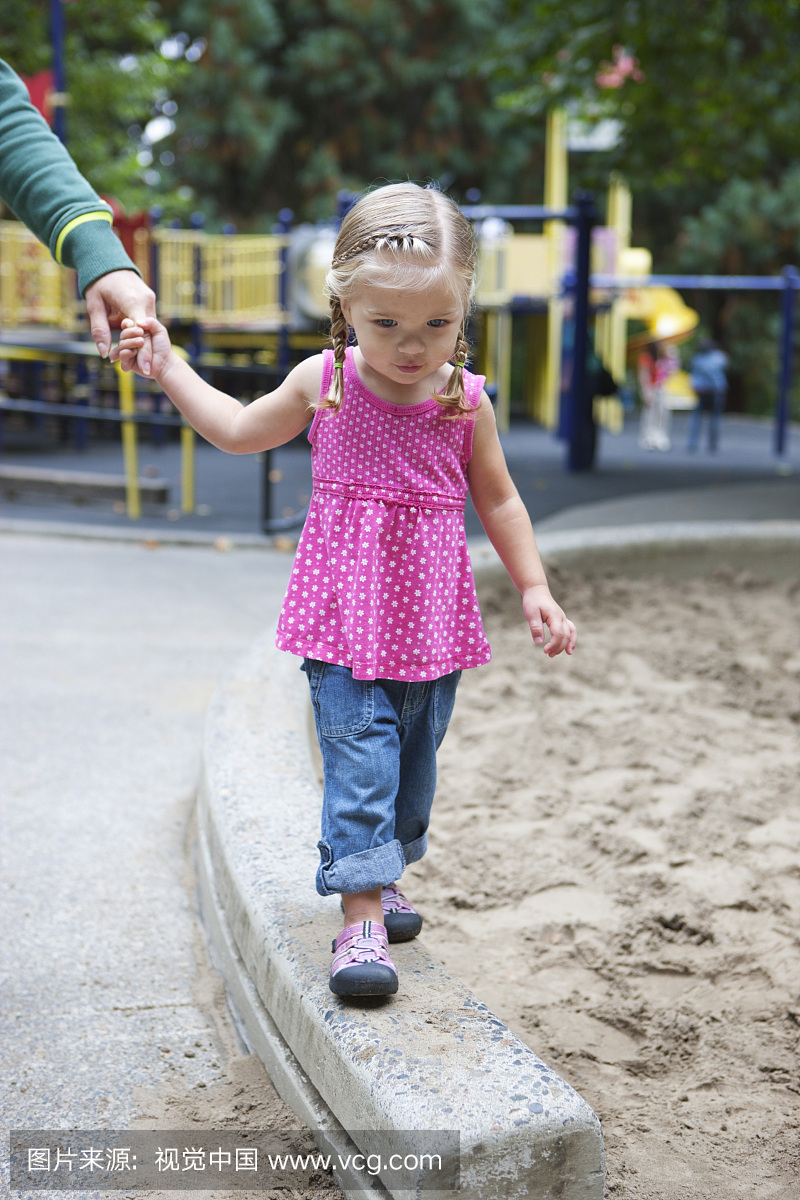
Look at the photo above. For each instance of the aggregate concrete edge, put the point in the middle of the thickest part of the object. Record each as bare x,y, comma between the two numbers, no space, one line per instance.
432,1058
169,535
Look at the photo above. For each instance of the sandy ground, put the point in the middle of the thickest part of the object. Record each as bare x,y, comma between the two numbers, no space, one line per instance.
614,869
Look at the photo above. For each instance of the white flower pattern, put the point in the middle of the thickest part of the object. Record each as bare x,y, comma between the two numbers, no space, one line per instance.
389,484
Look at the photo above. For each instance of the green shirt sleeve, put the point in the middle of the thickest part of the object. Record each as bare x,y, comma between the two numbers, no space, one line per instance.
41,183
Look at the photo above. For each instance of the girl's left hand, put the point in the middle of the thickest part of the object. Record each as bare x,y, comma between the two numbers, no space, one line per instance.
132,338
541,609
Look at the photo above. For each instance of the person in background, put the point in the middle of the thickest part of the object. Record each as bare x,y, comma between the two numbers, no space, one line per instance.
655,366
41,184
708,372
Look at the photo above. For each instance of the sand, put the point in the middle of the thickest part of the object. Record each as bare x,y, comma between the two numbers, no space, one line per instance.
614,869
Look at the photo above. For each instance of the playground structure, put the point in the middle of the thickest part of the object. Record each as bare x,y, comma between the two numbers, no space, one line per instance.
259,299
249,306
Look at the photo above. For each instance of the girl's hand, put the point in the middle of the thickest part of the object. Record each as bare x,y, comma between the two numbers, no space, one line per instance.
131,340
541,609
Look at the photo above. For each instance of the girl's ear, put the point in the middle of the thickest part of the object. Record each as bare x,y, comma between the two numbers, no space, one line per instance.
345,307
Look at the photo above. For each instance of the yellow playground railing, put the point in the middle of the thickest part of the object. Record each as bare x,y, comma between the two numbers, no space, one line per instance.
224,282
33,288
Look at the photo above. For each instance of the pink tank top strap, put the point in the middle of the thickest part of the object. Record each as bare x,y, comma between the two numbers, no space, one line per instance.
327,373
324,388
473,387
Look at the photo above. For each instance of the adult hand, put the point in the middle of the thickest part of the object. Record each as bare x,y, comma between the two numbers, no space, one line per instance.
114,296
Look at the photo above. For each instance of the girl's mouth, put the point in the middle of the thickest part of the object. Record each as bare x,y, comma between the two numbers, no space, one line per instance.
407,370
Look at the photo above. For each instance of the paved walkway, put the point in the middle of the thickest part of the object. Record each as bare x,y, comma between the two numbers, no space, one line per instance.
110,653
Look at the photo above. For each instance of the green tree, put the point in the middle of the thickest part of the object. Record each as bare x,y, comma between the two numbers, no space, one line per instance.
294,100
703,93
117,80
752,228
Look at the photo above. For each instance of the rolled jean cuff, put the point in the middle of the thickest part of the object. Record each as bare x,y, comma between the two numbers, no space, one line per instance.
363,871
414,851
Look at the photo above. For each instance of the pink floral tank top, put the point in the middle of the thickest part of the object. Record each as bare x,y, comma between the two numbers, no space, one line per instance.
382,581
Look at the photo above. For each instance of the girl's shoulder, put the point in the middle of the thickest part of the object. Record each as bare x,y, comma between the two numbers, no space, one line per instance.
309,374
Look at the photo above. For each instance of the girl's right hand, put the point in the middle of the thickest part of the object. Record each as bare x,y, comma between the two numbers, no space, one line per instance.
131,339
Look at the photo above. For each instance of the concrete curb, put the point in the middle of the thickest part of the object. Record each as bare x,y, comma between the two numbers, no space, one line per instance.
262,1036
28,527
685,548
77,486
628,538
434,1057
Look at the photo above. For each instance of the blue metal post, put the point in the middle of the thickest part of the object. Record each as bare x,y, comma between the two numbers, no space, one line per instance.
196,221
59,77
269,523
37,392
344,202
285,218
791,282
156,213
580,425
81,397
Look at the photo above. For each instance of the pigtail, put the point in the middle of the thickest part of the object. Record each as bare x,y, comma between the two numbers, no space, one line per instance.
339,341
454,397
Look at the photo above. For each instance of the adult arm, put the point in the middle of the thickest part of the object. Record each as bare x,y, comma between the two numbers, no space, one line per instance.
41,183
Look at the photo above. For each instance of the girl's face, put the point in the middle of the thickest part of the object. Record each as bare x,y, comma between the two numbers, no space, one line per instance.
404,336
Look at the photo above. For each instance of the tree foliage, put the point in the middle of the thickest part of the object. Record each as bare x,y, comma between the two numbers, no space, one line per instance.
752,228
294,100
116,81
713,94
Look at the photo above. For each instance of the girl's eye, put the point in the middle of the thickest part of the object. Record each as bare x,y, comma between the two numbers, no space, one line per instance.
437,322
386,322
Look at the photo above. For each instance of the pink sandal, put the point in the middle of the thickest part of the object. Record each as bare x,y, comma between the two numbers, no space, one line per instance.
401,919
361,964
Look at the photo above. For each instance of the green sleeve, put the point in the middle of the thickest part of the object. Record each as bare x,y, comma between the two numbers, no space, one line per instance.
41,183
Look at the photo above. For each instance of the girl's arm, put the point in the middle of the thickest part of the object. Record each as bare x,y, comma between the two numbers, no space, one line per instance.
508,527
222,420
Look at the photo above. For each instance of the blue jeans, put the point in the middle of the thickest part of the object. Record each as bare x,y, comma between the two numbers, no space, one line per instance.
379,740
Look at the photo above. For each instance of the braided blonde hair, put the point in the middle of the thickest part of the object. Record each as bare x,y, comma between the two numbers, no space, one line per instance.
403,235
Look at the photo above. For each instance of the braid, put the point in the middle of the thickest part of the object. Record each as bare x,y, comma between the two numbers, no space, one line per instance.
454,398
399,243
339,342
365,243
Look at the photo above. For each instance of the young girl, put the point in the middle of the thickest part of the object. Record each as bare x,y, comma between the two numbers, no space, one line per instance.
381,604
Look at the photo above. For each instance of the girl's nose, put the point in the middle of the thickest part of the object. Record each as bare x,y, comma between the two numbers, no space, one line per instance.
410,342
